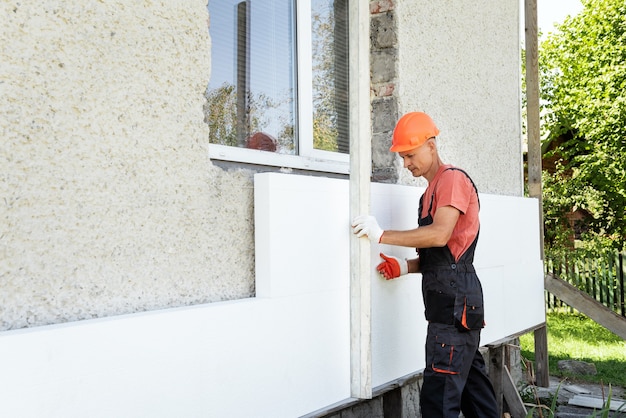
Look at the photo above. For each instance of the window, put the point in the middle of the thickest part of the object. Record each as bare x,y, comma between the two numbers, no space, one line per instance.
278,92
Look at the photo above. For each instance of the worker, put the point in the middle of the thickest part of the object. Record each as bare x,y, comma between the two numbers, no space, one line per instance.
455,377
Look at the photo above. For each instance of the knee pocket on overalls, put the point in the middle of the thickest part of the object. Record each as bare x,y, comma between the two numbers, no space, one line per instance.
469,312
445,354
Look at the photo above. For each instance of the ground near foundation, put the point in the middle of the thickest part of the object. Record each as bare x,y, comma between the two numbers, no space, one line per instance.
573,337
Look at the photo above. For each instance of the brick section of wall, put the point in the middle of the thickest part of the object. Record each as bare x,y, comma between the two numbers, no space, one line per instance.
383,59
381,6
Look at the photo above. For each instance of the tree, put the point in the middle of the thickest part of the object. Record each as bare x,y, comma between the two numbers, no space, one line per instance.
220,113
583,91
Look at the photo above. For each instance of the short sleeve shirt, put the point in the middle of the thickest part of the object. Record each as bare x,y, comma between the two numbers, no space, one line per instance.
454,188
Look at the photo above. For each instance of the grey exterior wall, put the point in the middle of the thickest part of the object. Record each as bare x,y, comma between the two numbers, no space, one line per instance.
109,202
460,62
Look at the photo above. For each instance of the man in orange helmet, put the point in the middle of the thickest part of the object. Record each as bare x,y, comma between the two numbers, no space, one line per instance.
454,378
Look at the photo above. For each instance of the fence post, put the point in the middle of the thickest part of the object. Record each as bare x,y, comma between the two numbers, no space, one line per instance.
542,373
621,283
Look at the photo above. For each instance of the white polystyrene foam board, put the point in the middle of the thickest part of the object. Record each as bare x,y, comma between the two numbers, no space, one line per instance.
286,352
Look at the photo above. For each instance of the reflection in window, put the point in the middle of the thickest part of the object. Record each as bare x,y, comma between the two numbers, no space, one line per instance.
330,75
251,89
251,96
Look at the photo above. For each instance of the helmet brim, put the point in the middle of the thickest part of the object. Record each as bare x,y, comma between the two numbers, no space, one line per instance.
405,147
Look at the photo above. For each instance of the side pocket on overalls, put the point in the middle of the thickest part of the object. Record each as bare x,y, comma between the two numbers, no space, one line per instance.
446,354
469,312
439,307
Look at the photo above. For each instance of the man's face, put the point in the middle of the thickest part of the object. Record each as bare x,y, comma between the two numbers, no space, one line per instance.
418,160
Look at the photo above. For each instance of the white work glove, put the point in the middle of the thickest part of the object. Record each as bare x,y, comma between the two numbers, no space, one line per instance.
367,225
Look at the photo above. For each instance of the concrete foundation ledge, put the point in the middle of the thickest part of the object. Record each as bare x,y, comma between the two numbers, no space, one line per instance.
397,395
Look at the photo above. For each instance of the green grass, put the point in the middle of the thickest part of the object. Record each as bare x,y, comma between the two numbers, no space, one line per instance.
576,337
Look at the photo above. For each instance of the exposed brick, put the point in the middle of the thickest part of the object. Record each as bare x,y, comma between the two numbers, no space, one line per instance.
381,6
383,169
389,176
383,58
383,31
383,90
383,65
384,115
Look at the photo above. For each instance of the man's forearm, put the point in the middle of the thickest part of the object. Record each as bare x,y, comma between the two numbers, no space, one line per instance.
414,265
422,237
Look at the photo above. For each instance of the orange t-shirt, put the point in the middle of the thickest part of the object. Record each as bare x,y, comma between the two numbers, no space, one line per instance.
453,188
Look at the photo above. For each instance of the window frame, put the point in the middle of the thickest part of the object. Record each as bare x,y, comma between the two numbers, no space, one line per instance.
307,158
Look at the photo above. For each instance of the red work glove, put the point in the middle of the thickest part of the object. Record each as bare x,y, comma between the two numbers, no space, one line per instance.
392,267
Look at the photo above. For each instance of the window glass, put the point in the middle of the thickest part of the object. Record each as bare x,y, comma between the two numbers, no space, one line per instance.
330,74
253,98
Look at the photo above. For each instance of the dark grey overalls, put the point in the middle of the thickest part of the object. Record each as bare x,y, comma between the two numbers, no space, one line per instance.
454,378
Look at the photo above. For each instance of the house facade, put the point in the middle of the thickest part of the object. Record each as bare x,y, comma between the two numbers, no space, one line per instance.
115,200
132,133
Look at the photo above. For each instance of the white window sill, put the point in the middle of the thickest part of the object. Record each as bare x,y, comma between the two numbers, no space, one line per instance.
330,162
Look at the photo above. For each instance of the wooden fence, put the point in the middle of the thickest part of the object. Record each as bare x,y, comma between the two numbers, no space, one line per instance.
601,278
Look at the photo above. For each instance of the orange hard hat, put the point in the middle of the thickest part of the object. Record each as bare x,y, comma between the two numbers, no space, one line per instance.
412,130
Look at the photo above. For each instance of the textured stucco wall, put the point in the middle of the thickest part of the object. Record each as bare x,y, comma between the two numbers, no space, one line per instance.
108,202
459,61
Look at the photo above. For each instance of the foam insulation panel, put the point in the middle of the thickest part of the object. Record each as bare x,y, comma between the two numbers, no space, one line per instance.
286,352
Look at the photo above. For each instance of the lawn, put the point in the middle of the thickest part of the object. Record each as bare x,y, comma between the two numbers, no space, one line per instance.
576,337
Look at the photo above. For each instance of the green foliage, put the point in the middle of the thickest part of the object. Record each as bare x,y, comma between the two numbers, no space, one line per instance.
326,85
324,133
557,202
538,409
221,115
583,91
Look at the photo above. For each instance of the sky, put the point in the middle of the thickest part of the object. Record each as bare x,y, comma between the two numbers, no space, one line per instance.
550,11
